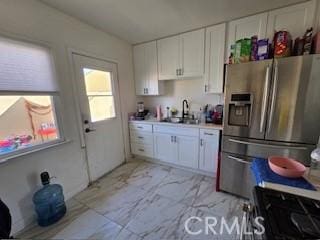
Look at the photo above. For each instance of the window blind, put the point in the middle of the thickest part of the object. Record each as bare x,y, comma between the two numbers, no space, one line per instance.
26,67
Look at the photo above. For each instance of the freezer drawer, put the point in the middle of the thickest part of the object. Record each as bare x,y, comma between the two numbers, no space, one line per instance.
264,149
235,175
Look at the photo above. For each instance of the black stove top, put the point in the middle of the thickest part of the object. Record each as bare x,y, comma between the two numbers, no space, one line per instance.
287,216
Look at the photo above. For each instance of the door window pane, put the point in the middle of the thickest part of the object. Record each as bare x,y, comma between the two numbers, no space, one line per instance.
26,121
99,92
101,107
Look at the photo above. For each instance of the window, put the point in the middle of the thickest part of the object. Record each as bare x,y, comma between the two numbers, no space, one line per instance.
27,92
99,93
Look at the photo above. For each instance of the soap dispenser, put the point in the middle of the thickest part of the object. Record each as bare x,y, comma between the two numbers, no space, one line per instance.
314,170
49,202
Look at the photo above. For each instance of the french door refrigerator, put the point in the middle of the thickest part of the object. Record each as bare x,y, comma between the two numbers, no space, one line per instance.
272,107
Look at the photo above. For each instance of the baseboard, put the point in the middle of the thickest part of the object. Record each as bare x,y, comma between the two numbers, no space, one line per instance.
153,160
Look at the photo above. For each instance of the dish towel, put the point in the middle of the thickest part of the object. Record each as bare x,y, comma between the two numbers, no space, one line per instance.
263,173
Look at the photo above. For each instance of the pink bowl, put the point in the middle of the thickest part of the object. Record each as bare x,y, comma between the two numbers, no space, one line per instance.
286,167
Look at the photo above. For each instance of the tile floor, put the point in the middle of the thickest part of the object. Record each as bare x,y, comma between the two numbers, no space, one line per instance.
142,200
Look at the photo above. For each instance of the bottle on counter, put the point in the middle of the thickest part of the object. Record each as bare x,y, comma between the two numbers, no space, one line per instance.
314,170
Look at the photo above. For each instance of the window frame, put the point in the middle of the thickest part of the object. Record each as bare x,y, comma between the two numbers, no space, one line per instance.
56,105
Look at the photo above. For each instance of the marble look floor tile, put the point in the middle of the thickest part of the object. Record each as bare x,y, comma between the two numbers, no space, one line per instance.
108,231
83,226
217,203
155,218
74,210
125,234
148,176
181,186
197,229
118,204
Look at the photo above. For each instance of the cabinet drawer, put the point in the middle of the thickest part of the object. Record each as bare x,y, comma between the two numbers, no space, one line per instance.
142,149
209,133
141,137
184,131
140,127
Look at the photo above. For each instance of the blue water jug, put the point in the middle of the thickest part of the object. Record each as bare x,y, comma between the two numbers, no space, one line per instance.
49,202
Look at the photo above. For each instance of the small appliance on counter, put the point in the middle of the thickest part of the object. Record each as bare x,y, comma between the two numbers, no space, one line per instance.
141,112
213,114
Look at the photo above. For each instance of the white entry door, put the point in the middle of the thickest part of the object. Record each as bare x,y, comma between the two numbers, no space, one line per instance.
98,94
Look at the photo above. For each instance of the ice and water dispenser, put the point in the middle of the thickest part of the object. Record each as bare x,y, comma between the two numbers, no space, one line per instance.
240,109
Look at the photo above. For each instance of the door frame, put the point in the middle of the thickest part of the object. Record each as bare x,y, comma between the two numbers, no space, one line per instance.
76,99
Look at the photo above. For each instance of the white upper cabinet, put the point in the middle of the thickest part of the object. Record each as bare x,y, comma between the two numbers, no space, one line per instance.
246,28
181,56
295,19
168,57
214,58
192,53
146,69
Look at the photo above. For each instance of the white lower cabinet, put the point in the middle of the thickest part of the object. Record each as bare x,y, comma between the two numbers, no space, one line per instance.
188,151
209,150
165,148
189,147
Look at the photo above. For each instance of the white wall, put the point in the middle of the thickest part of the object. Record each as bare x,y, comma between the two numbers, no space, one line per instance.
175,91
19,177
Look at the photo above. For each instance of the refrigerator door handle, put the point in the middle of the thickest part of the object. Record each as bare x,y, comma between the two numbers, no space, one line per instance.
267,145
264,101
238,159
274,95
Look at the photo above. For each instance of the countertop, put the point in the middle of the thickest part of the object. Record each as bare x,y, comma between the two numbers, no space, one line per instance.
201,125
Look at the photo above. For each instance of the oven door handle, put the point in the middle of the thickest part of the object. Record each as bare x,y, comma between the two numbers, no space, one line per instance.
240,160
267,145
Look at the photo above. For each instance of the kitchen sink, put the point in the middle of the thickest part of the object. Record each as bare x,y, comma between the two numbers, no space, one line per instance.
179,120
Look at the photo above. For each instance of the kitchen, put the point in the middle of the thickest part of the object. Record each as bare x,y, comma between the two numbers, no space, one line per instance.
194,121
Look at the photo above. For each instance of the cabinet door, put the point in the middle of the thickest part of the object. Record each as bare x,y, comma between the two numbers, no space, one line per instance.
168,57
151,68
295,19
146,69
192,53
246,28
215,49
209,150
139,69
188,151
164,148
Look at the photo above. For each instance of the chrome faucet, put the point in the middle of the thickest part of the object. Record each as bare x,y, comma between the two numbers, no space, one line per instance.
184,102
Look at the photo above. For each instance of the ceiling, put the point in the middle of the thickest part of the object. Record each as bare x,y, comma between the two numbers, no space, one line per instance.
143,20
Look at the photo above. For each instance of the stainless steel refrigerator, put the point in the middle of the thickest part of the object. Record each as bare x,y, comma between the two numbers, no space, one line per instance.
272,107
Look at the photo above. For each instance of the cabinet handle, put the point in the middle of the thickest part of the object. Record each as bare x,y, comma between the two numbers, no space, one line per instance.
141,150
175,139
181,71
140,127
141,137
177,72
171,138
201,142
206,88
210,134
147,90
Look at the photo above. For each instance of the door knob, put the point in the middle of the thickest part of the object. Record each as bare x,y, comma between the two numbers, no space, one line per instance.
89,130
